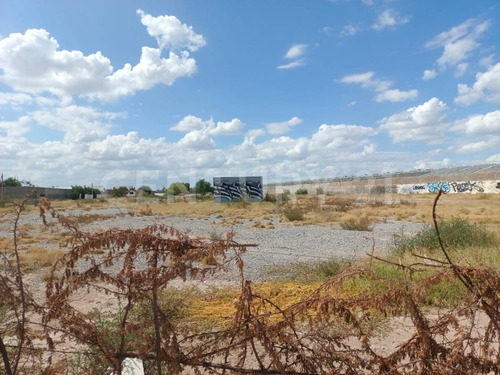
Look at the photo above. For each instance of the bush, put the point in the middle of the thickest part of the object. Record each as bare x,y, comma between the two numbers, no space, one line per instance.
121,191
301,192
294,214
357,223
320,190
456,234
146,190
178,188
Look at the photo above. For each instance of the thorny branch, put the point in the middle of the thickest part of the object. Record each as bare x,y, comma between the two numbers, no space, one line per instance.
329,332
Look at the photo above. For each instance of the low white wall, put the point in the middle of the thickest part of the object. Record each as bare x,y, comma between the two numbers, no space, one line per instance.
452,187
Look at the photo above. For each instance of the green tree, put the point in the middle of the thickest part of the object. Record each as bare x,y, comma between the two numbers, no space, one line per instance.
11,182
119,191
146,190
203,187
178,188
78,191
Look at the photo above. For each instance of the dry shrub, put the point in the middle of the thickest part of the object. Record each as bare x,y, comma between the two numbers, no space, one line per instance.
35,258
363,223
292,213
341,204
321,330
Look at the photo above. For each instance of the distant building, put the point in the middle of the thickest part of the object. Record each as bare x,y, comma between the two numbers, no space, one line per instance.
231,189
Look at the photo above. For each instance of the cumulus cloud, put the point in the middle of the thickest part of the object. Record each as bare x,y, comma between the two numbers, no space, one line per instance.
15,129
199,132
389,19
382,87
170,33
424,123
458,42
233,127
283,127
78,123
33,63
479,124
429,74
192,123
486,87
197,139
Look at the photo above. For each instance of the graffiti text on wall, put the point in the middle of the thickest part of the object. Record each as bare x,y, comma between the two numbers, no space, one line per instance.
462,187
434,187
456,187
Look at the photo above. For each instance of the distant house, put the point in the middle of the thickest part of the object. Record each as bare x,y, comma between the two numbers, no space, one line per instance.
132,194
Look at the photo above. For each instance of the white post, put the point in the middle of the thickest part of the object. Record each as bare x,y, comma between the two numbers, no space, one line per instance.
132,366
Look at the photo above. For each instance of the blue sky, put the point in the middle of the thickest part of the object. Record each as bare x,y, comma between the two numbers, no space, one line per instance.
153,92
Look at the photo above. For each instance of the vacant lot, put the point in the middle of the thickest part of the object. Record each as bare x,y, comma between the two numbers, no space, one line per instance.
300,243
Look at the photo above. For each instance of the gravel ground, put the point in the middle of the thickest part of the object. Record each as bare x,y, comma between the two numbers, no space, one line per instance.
285,244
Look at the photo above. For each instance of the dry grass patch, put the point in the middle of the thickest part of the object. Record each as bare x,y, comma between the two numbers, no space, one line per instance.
35,258
362,223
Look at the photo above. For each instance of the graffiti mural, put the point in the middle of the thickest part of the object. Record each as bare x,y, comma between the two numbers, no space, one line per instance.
453,187
434,187
230,189
462,187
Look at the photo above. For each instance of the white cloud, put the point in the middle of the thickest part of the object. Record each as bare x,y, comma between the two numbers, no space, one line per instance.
458,42
33,63
197,139
233,127
487,61
295,51
479,124
461,69
396,95
494,159
389,19
382,87
426,122
170,33
486,87
367,80
349,30
79,124
282,127
15,129
340,136
293,64
192,123
429,74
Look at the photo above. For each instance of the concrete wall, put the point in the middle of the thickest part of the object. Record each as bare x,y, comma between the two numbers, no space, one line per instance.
452,187
390,185
20,192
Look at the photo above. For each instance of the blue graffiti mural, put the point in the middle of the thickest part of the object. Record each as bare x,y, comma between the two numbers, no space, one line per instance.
434,187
